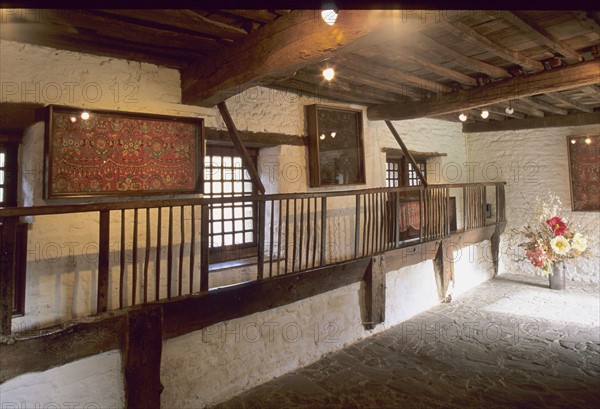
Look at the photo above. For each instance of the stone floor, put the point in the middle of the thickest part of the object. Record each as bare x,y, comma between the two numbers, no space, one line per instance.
511,342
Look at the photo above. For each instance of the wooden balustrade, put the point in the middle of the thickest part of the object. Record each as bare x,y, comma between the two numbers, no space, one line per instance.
296,232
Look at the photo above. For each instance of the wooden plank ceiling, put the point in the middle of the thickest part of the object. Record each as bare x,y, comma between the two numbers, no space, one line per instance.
403,65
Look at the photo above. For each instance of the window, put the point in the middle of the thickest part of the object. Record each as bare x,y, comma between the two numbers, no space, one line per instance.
400,172
233,226
8,174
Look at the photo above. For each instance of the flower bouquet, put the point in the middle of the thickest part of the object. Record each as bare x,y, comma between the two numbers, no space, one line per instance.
550,238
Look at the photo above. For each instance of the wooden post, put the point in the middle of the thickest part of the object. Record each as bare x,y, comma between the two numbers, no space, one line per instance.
443,266
406,152
7,272
103,259
141,350
495,249
374,292
239,145
261,240
204,242
323,230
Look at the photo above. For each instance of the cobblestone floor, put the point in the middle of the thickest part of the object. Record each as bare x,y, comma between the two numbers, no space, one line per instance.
511,342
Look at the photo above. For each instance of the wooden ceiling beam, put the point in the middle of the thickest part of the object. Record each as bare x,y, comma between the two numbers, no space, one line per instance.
569,101
592,91
422,42
359,77
320,94
290,43
434,68
392,74
466,33
183,19
542,37
554,121
341,85
262,16
499,110
526,108
560,79
544,106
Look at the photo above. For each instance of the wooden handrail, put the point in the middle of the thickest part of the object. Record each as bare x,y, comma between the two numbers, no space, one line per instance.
144,204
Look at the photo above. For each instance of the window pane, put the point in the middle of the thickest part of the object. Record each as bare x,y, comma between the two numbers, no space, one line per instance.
2,155
1,177
227,161
239,238
228,240
249,237
239,225
1,194
228,227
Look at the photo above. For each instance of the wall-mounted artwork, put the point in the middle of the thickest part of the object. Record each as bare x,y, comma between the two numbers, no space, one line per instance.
107,153
336,153
584,171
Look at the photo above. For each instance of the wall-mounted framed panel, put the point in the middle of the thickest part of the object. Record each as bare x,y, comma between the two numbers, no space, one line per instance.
584,172
336,149
110,153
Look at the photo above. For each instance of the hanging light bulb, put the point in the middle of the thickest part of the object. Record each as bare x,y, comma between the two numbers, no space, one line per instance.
485,114
322,137
573,141
329,13
328,73
509,109
73,119
588,140
85,115
333,134
462,117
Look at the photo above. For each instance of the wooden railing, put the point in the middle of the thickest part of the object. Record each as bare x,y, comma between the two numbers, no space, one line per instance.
155,250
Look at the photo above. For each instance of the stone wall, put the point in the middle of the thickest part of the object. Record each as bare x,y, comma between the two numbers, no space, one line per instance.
534,162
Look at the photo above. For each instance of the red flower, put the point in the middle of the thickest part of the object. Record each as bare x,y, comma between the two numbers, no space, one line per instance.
557,225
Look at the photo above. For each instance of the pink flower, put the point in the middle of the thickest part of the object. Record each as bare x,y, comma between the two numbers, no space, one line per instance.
557,225
538,256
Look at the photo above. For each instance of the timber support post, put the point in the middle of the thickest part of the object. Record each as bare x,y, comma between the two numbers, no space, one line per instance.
375,292
443,265
141,351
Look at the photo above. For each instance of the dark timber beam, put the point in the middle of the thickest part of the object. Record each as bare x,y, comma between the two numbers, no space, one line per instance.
533,123
407,153
239,145
254,139
542,37
375,292
392,74
294,41
560,79
545,106
568,101
435,68
466,33
422,42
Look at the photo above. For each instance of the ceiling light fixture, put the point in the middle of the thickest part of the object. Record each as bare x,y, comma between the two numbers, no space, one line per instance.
73,119
322,137
588,140
485,114
462,117
573,141
509,109
329,13
85,115
328,73
333,134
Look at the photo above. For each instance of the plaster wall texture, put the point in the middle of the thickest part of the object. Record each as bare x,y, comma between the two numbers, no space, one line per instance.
90,383
534,162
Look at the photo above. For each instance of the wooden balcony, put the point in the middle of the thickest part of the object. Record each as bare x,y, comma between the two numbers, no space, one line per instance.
150,265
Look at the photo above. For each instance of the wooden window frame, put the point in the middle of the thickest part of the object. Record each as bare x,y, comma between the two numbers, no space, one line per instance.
406,175
225,253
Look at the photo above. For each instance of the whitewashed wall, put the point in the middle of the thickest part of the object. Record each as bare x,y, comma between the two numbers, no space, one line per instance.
209,375
534,162
90,383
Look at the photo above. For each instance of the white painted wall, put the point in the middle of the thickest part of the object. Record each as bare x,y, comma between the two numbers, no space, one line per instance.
90,383
534,162
214,364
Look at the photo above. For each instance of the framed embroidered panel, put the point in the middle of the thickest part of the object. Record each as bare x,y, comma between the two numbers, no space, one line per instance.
92,153
584,171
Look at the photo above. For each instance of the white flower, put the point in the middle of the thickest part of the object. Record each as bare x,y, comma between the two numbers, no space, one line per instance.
579,242
560,245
